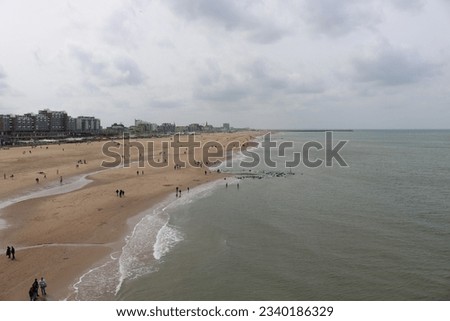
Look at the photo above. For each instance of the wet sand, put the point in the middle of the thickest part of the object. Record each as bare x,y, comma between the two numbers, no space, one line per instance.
60,237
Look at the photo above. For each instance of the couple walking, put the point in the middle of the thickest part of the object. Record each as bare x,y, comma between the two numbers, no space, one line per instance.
11,252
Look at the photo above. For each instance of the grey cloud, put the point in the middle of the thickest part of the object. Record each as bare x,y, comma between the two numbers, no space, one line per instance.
408,5
391,67
268,79
88,62
121,28
338,18
228,15
130,74
260,74
220,11
165,44
311,87
230,92
257,80
121,71
165,104
267,35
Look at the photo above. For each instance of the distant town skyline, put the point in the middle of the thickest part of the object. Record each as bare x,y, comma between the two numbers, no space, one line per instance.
262,64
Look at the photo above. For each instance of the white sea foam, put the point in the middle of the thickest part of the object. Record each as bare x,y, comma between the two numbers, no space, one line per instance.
152,238
166,239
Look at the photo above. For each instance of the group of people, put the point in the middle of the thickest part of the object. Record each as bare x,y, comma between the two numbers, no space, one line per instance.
11,252
34,289
120,193
178,191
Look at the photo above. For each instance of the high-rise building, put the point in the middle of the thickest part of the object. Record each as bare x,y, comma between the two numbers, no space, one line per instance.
23,123
87,124
5,124
57,120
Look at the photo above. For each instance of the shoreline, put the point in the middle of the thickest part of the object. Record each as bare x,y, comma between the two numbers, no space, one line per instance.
86,241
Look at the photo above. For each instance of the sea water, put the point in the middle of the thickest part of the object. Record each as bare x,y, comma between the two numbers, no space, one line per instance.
377,229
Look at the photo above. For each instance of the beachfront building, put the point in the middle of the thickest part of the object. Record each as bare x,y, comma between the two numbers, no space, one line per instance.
5,124
226,127
181,129
41,123
208,128
46,123
71,124
144,127
87,124
116,130
166,128
194,128
23,123
58,120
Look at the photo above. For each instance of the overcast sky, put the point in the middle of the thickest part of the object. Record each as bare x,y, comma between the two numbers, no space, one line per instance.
263,64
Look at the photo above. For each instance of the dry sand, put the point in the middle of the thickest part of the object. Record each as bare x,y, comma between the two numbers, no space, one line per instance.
61,237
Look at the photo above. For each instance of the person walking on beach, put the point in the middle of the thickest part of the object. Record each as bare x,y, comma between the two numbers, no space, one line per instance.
32,294
117,192
43,286
8,252
35,287
13,253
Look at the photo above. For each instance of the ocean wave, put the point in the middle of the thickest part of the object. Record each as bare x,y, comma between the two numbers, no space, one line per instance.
166,239
151,239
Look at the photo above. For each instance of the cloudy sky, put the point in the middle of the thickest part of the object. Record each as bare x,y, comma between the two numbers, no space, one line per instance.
263,64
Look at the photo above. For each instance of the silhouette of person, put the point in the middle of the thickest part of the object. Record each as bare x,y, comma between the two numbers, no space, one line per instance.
31,294
8,252
13,253
35,287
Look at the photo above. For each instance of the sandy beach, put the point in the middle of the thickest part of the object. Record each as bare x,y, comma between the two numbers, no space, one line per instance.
60,237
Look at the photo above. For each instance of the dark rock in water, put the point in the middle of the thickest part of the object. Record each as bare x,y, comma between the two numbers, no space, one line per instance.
264,174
